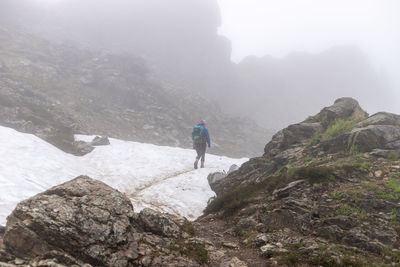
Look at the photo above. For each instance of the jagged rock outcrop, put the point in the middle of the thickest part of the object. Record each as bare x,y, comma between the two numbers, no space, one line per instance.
82,218
84,222
343,108
291,143
380,131
327,196
100,141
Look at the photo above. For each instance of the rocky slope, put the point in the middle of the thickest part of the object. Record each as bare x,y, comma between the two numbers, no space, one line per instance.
55,91
325,193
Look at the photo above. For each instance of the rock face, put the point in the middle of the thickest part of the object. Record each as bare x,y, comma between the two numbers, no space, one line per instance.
380,131
83,218
85,221
325,192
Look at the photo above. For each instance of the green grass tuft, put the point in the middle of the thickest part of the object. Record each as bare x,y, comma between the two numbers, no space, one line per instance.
337,128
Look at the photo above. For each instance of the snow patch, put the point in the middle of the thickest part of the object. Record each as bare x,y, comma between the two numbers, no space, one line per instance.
157,177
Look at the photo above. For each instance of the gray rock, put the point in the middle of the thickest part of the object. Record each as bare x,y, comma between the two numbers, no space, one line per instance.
100,141
384,137
261,240
332,232
381,118
233,168
215,177
376,136
232,262
246,223
84,218
294,134
384,153
82,148
344,222
159,223
343,108
269,250
356,237
285,192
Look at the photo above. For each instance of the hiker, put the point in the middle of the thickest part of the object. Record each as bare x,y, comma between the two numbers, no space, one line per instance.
200,139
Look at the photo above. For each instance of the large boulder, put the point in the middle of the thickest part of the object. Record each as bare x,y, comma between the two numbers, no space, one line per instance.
83,218
372,137
294,134
160,223
343,108
381,118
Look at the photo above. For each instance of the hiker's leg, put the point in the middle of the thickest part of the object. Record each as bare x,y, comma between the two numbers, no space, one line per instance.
203,155
198,151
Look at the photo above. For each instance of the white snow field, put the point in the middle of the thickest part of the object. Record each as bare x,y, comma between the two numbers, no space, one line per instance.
157,177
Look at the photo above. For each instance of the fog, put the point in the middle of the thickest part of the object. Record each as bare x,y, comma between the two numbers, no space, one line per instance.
277,28
307,52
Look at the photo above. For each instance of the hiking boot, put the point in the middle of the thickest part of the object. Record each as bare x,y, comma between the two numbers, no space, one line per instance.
202,165
195,163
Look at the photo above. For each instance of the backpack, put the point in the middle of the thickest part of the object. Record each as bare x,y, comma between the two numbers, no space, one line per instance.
198,134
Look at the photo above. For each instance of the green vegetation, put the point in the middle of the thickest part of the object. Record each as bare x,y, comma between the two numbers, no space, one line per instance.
356,167
338,195
238,198
348,210
194,251
392,157
337,128
315,139
315,175
188,228
394,254
323,258
389,191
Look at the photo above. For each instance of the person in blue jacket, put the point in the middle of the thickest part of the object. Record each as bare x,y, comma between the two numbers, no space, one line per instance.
200,139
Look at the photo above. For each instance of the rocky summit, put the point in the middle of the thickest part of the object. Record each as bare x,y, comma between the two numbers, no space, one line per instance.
326,192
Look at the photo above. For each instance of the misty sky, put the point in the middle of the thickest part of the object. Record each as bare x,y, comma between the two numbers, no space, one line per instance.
277,28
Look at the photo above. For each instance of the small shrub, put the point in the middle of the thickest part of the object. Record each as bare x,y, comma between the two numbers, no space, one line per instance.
392,157
356,167
319,174
337,128
238,198
337,195
188,228
315,139
196,252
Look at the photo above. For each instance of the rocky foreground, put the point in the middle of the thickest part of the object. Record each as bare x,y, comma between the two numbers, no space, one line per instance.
325,193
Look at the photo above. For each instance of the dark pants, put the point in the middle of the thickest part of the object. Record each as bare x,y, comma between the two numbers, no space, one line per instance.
201,151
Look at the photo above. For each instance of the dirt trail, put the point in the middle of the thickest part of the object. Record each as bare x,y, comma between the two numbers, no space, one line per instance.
219,233
156,182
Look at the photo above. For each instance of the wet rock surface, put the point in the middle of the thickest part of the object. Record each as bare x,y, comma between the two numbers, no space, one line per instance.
323,194
84,222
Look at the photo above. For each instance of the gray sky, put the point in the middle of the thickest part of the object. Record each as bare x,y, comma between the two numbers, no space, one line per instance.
279,27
